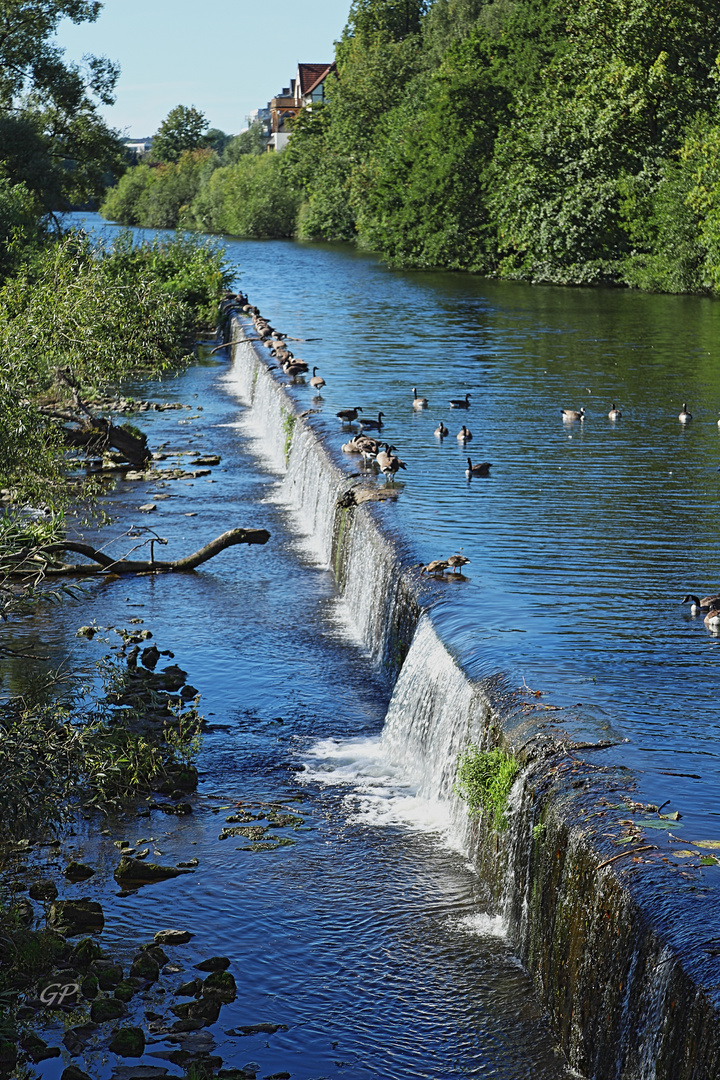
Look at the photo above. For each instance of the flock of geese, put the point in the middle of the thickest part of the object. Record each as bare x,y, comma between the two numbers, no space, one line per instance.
381,455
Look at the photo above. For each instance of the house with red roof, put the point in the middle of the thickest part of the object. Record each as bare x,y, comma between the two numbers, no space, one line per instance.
304,91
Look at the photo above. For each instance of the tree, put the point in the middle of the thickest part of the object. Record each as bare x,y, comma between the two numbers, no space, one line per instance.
51,137
182,129
252,140
216,140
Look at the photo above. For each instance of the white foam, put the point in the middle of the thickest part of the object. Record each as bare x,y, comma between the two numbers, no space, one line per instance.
480,924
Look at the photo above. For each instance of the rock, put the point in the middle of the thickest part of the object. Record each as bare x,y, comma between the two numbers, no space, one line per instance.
77,871
207,459
109,973
88,632
85,952
122,843
221,985
37,1049
190,989
104,1009
89,987
214,963
173,937
125,990
138,1072
258,1029
145,966
278,1076
195,1041
24,911
73,1073
146,508
187,1025
43,889
207,1009
189,863
77,916
128,1042
181,1010
77,1038
131,872
188,692
156,952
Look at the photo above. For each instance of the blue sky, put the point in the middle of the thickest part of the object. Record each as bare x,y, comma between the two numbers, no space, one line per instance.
225,57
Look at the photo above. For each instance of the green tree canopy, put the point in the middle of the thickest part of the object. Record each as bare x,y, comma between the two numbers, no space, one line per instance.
182,129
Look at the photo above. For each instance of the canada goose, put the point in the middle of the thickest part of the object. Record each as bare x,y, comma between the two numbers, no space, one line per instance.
388,463
614,413
572,414
419,402
464,435
481,469
372,425
348,415
292,369
460,403
698,604
712,620
456,561
317,382
437,566
441,431
685,416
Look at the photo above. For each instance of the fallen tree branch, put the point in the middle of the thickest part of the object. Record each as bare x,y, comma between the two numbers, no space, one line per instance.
632,851
105,564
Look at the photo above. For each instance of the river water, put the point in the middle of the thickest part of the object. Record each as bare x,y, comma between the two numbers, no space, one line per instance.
370,937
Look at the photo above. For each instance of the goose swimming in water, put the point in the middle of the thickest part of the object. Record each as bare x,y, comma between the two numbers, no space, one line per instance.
482,468
419,402
572,414
441,431
698,604
685,417
372,425
464,435
460,403
614,413
712,620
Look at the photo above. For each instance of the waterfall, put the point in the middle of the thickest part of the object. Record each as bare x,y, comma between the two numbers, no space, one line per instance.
623,1003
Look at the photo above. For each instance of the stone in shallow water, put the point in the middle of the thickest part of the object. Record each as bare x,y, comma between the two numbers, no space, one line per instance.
128,1042
213,963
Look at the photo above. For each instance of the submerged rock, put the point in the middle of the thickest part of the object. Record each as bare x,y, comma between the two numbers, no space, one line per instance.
213,963
43,889
131,872
77,871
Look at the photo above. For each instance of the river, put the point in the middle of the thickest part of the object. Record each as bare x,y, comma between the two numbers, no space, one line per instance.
372,937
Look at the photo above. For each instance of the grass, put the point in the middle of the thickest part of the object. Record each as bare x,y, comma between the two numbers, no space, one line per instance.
484,780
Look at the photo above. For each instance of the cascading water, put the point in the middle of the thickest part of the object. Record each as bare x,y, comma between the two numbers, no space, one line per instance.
621,1001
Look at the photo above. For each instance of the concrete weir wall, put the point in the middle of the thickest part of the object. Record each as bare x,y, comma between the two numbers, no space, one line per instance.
619,941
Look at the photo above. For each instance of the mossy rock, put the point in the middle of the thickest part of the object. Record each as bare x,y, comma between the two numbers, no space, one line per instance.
158,954
145,966
125,990
43,889
105,1009
220,984
128,1042
76,916
134,873
89,987
37,1049
250,832
213,963
109,974
172,937
85,952
189,989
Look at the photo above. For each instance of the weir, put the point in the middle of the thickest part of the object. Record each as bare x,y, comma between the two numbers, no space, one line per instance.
601,926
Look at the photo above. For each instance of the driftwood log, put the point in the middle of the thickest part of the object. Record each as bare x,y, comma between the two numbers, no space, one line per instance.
105,564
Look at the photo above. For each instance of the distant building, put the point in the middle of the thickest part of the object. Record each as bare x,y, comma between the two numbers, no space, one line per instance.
305,90
137,149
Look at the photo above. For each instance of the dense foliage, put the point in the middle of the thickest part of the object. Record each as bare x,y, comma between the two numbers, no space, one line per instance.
527,139
102,312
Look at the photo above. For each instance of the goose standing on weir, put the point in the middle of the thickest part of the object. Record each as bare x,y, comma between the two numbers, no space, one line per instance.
317,382
457,561
348,415
388,463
